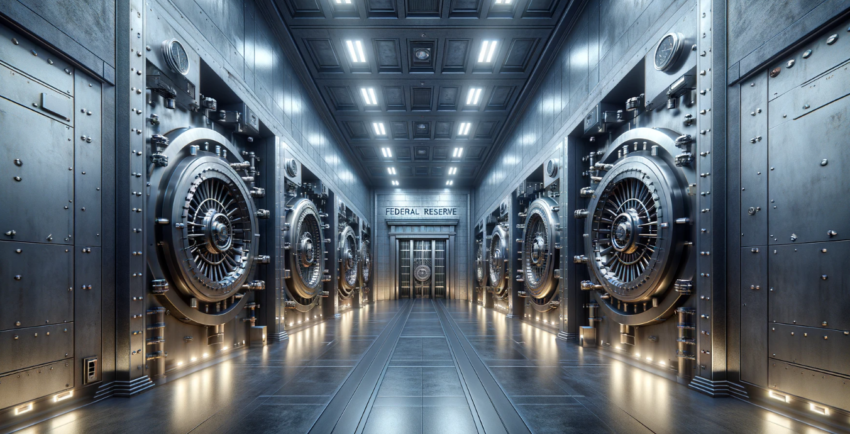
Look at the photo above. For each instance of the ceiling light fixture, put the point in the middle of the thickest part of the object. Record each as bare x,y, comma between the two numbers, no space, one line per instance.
488,48
498,2
369,95
355,50
457,153
473,96
395,183
387,152
391,170
450,182
379,128
464,129
452,170
348,2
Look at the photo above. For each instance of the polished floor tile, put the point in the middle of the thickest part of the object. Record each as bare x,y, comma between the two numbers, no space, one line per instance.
420,366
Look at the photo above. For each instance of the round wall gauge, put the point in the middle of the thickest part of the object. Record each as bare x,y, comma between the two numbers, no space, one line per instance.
175,56
668,50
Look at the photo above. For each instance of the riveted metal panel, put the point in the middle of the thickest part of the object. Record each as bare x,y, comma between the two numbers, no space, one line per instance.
87,318
36,285
34,383
754,167
36,154
814,385
25,56
809,176
754,315
808,284
36,96
20,349
87,162
816,347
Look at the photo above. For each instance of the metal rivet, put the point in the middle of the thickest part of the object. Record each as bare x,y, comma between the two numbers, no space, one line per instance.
824,162
807,54
831,40
791,63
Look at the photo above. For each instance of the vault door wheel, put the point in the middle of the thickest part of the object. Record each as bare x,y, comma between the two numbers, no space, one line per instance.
498,261
349,262
540,255
305,257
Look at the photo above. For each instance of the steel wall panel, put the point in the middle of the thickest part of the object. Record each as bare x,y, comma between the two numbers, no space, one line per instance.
20,349
808,175
45,67
87,162
37,285
808,285
36,152
34,383
87,299
754,315
813,385
754,167
36,96
815,347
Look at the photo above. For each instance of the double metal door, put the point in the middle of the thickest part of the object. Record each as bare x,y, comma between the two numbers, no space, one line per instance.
422,268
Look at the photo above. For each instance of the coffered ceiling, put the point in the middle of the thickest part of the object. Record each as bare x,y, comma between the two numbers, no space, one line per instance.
421,90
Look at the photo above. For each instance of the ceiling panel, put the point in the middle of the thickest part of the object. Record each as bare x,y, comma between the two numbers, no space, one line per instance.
420,59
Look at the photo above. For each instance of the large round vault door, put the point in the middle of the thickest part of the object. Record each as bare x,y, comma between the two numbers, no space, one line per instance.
365,264
349,262
498,262
305,253
636,229
206,228
540,252
480,265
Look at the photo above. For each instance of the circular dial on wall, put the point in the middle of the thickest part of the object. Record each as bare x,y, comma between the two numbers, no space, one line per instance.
668,50
349,262
540,258
498,261
305,256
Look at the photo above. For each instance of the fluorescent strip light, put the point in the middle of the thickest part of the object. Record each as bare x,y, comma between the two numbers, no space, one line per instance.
395,182
489,54
388,153
450,182
483,53
391,170
355,50
379,128
464,128
473,96
452,170
369,96
359,46
460,152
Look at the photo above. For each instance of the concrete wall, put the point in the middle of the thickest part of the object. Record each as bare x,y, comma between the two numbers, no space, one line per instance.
460,258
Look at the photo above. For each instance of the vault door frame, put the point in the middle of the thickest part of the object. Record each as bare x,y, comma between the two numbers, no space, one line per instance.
413,229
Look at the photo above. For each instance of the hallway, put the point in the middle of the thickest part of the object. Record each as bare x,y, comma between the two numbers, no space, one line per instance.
429,366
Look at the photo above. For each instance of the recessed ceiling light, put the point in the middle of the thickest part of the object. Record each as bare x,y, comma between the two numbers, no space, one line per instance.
395,182
379,128
369,95
450,182
452,170
498,2
464,129
387,152
355,50
457,153
348,2
473,96
488,48
391,170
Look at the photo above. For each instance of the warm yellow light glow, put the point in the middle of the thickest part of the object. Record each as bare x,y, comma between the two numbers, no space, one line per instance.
819,409
206,355
63,396
23,409
194,359
179,363
778,396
